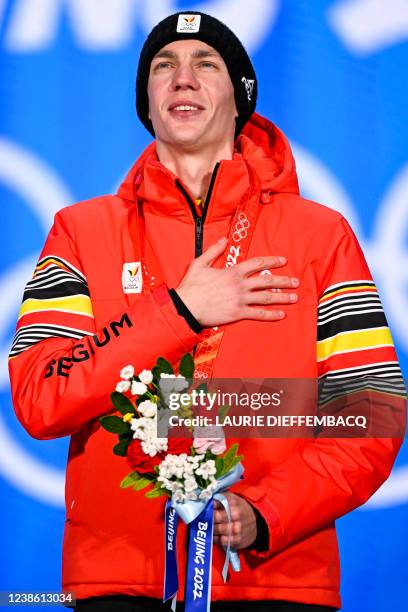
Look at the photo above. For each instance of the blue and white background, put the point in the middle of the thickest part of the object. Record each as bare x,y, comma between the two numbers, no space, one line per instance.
333,76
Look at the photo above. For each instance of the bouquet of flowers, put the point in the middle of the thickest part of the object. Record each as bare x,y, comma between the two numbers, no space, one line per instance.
191,471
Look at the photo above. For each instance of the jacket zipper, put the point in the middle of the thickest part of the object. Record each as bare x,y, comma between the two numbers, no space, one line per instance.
199,220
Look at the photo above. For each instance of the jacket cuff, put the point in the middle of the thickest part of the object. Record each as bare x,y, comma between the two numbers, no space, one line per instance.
261,504
185,312
261,542
178,325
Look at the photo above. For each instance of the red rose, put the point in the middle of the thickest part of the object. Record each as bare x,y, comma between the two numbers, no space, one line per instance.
178,446
139,461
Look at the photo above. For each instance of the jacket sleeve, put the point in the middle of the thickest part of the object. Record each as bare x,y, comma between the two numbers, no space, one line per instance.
328,477
63,369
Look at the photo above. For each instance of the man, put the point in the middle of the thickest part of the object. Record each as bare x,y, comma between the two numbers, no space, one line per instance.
208,246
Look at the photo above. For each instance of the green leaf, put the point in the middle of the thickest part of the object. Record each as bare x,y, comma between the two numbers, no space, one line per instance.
219,466
130,480
187,366
235,462
142,483
156,373
120,448
229,457
122,403
136,481
165,366
202,387
157,491
114,424
223,411
128,435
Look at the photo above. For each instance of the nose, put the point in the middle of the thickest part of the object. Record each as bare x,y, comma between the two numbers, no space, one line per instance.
184,78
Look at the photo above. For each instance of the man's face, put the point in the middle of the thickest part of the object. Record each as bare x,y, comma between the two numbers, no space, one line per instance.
191,96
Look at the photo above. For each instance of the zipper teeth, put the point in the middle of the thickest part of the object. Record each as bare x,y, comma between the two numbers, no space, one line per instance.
199,219
187,196
210,190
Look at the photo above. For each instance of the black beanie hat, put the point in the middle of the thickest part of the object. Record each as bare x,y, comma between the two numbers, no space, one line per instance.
199,26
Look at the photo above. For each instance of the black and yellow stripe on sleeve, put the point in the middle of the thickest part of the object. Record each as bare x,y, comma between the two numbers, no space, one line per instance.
355,350
56,303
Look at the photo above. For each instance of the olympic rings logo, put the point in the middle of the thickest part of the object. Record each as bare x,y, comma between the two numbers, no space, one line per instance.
241,227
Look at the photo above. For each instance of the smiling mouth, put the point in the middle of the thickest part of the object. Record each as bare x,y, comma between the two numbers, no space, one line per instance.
185,110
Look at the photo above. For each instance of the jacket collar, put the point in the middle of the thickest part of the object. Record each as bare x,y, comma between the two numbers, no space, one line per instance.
160,188
261,148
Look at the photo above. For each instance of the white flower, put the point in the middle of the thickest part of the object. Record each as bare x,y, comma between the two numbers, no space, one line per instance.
127,372
171,382
204,495
190,484
122,386
180,383
178,496
188,470
206,469
166,383
146,377
192,495
138,388
147,408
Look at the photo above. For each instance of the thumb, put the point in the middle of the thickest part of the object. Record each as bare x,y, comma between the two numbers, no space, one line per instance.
213,252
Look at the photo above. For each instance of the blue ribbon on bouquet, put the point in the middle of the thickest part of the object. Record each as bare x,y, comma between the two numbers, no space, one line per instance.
199,515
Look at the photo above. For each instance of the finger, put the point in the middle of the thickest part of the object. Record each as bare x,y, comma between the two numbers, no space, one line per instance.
257,264
270,297
235,541
213,251
220,516
260,314
266,281
231,498
222,528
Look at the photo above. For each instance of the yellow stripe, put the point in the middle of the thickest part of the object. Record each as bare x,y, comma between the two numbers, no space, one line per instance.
351,288
80,304
49,260
354,341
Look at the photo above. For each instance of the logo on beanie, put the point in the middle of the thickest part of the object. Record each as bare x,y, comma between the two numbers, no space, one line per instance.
188,23
249,86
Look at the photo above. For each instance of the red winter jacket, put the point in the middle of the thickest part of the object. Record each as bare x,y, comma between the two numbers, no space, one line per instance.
77,329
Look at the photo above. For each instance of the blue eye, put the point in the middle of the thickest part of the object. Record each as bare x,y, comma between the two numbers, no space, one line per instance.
162,65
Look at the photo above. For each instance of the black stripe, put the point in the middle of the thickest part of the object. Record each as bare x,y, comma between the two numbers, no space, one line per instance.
37,337
54,276
39,327
357,310
347,300
328,386
385,385
62,290
349,372
351,323
64,263
351,284
20,345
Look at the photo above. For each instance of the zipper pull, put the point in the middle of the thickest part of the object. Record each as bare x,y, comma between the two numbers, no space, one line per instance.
198,236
